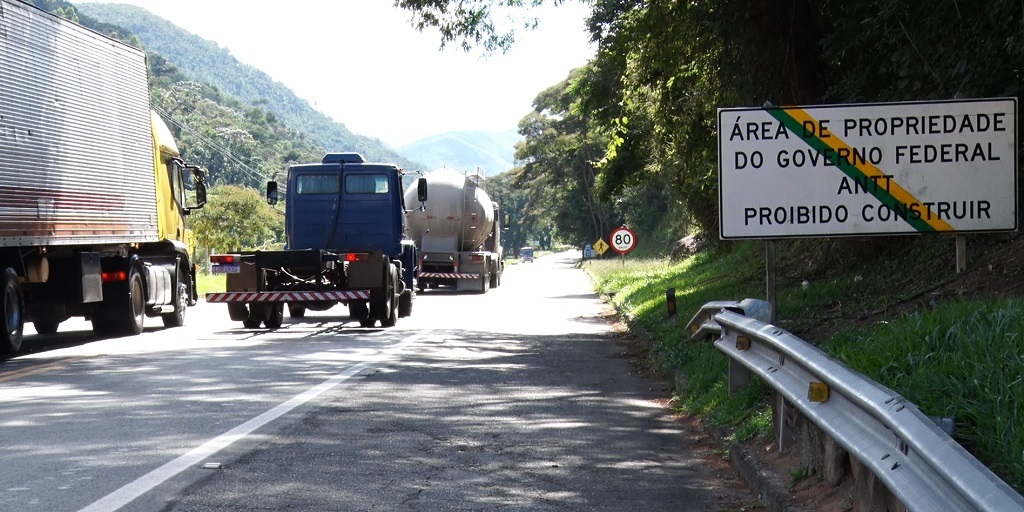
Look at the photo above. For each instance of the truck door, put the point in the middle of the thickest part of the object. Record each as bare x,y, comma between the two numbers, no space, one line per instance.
371,211
314,210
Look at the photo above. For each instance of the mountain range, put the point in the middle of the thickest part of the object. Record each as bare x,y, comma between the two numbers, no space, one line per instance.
491,152
206,61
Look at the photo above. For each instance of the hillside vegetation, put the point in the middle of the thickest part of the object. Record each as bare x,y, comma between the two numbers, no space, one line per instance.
205,61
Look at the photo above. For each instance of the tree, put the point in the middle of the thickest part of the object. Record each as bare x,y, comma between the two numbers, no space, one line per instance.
471,23
558,173
236,218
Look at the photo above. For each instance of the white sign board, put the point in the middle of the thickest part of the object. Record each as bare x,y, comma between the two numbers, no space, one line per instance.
868,169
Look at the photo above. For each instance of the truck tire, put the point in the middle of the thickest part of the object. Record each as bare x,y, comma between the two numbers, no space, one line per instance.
255,317
384,303
392,316
124,313
405,303
177,318
359,311
134,308
12,322
496,275
274,315
296,310
46,325
238,311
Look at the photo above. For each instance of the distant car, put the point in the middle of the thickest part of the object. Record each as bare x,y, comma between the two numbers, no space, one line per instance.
526,254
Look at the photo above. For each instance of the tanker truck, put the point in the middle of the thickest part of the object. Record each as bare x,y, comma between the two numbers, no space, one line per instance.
456,231
92,186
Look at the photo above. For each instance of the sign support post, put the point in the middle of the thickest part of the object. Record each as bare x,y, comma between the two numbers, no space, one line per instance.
961,253
769,279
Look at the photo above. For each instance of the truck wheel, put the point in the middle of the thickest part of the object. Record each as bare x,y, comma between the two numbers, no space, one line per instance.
274,315
496,275
384,304
238,311
296,311
46,325
135,310
392,316
177,318
405,304
359,311
255,317
125,311
12,322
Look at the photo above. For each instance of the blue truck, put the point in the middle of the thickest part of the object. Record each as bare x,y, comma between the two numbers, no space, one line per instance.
345,244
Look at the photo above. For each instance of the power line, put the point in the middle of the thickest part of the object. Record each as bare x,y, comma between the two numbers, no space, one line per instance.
226,153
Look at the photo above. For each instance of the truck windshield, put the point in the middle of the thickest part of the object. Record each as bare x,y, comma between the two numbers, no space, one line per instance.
366,184
318,184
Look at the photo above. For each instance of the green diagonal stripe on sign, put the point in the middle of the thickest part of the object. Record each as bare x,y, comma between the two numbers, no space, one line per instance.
896,198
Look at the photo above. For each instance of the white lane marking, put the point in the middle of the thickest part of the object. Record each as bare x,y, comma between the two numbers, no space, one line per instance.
147,482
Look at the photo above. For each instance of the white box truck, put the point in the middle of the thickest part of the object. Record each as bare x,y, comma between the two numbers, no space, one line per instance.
92,186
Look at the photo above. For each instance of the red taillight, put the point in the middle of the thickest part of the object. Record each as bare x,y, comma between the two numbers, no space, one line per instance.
357,256
113,277
476,257
223,259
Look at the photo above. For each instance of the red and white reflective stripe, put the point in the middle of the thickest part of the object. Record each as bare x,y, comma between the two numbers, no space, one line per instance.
448,275
287,296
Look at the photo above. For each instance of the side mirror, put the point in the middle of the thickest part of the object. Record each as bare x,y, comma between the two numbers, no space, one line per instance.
421,190
199,177
198,174
200,194
271,193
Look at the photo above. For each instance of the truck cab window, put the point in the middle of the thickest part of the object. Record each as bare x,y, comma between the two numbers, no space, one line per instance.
317,184
366,184
177,181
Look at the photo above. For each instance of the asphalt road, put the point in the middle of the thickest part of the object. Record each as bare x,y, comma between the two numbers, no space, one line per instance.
517,399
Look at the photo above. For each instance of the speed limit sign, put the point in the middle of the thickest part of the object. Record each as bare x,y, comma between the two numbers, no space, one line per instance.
622,240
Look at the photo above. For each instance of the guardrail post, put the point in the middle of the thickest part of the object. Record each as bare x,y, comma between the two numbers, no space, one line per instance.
835,461
784,422
739,376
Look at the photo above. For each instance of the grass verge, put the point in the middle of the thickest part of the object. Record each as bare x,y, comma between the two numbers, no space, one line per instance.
209,283
957,359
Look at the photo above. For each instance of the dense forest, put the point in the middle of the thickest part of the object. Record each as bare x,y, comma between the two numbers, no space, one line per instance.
631,138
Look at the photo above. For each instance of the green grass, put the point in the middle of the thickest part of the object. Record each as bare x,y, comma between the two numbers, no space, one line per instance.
963,360
208,283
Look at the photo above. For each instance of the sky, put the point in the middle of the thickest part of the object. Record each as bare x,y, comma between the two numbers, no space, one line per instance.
363,64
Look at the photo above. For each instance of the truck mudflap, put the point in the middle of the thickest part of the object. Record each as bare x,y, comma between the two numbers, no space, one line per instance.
447,275
327,296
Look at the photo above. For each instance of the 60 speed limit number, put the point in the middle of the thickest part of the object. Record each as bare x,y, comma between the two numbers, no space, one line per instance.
622,240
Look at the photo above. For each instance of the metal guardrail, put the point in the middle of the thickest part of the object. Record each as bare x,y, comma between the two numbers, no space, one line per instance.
916,460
